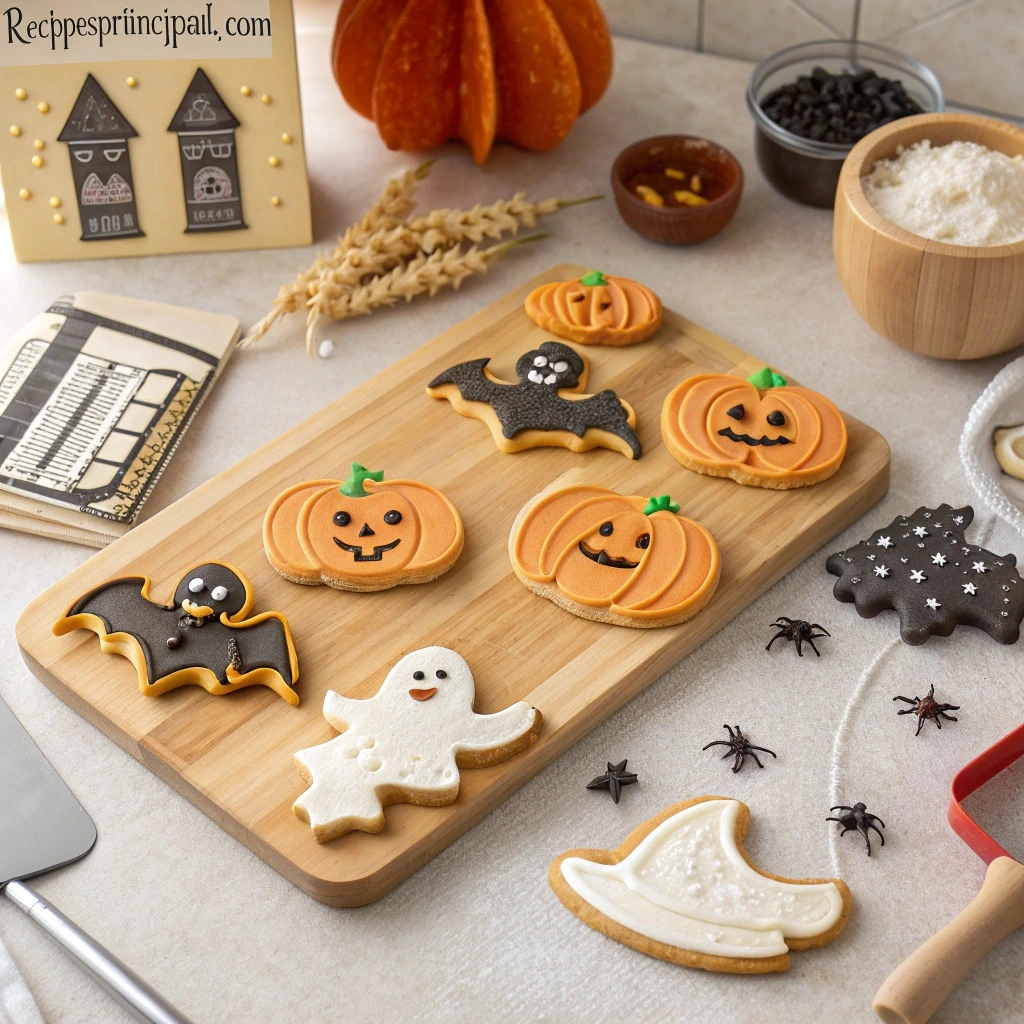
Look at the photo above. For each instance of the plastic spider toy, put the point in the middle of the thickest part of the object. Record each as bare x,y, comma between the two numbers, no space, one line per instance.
928,707
739,747
800,631
857,819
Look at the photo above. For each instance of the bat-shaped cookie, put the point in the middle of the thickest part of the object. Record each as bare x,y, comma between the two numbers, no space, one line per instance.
545,408
204,637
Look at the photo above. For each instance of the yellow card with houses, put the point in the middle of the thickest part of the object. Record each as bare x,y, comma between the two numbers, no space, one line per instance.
155,128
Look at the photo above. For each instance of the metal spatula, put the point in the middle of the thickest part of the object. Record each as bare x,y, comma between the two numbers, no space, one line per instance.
42,827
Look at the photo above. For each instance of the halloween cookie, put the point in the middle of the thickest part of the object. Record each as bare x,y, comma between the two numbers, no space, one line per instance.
596,310
682,889
628,560
921,566
545,408
203,637
760,432
405,744
362,534
1008,443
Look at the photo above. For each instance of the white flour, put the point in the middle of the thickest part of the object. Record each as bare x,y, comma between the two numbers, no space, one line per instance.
961,193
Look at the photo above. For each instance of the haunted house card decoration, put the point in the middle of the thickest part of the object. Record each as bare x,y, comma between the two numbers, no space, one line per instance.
209,164
124,141
97,135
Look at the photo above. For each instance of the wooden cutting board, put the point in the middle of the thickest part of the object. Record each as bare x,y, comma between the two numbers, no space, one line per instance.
232,755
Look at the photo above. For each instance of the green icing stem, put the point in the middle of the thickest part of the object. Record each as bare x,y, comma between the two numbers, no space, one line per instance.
353,486
592,278
662,503
767,378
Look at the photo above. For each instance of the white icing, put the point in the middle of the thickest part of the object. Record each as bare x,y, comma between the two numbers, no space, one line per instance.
687,885
536,376
540,360
219,593
393,740
196,585
561,366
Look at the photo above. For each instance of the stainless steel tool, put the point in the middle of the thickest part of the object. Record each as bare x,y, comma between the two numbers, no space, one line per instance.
42,827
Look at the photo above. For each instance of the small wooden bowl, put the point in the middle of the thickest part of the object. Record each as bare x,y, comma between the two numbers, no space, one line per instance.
681,225
942,300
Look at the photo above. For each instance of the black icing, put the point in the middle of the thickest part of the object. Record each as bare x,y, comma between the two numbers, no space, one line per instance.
752,441
213,645
923,558
603,558
356,550
533,405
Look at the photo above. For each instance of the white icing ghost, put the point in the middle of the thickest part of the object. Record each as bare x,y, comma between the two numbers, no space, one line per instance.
405,744
687,885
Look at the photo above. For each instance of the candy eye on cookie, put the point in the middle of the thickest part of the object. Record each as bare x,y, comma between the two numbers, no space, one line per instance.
547,371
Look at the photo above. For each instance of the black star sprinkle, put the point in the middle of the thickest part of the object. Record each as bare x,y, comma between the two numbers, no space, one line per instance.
613,780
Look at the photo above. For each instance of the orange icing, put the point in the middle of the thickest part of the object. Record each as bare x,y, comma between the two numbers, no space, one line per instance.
696,411
678,568
620,312
301,535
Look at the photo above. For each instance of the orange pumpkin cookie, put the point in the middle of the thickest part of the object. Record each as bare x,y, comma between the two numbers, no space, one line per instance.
596,310
760,432
615,558
362,534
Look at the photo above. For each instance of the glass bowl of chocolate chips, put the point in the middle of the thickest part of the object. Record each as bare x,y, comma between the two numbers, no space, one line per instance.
813,102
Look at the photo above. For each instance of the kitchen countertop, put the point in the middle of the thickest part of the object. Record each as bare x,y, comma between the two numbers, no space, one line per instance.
477,935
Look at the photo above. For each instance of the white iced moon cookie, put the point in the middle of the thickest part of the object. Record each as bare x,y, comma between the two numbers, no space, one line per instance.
405,744
1009,448
680,888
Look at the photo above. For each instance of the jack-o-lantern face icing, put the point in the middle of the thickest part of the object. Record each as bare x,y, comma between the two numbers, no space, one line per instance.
759,432
596,310
615,558
362,534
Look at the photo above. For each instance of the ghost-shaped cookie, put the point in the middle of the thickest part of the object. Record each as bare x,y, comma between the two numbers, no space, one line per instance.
405,744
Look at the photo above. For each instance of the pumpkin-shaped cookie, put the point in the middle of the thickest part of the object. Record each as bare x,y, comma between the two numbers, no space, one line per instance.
363,534
617,558
596,310
758,431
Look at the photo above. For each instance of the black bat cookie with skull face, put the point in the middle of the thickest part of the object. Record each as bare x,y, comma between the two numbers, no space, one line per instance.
205,637
545,408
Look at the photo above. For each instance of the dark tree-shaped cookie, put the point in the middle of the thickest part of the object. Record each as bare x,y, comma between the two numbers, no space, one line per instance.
921,566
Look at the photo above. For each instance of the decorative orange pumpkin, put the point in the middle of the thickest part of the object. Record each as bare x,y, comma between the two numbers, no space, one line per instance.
760,432
596,310
362,534
614,558
430,70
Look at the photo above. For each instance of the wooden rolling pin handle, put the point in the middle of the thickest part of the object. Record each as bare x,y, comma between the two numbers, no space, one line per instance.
919,986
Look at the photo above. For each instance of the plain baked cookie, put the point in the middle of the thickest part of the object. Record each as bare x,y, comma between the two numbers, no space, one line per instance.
546,408
760,431
405,744
623,559
681,888
596,310
364,534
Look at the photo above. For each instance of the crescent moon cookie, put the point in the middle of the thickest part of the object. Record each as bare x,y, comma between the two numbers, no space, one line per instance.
405,744
760,432
623,559
1008,443
545,408
681,888
205,636
596,310
921,566
362,534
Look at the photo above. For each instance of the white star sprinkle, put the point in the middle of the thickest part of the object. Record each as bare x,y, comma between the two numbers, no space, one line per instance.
884,542
917,576
933,604
970,588
939,559
871,558
980,567
959,520
920,531
882,571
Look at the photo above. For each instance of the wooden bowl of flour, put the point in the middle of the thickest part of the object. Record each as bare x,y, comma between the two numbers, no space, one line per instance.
942,300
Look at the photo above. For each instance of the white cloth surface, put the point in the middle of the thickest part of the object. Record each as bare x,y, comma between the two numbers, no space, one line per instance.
476,935
16,1003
